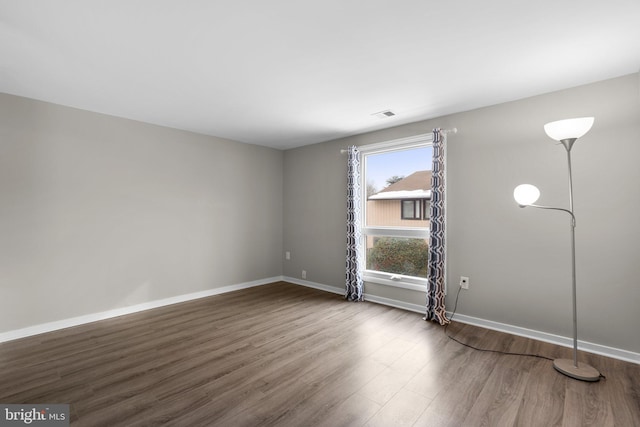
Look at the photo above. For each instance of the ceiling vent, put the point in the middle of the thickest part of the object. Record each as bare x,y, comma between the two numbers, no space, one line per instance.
384,114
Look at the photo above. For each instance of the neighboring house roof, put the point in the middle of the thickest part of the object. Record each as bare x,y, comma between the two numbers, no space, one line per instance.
415,186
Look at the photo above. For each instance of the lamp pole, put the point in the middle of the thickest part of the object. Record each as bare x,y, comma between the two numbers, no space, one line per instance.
568,143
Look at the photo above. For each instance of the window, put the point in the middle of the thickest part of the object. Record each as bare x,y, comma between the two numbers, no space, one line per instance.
411,209
396,196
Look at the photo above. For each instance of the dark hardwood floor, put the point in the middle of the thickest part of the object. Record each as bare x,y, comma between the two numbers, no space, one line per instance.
286,355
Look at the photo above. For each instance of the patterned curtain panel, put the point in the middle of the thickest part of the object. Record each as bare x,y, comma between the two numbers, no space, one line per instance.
435,288
354,288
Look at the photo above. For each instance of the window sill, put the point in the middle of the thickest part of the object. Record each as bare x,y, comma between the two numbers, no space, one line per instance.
385,279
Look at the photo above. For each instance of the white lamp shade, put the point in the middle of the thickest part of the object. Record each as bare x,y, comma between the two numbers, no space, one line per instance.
569,128
526,194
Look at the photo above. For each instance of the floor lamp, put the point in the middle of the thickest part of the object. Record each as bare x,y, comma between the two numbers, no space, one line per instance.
566,132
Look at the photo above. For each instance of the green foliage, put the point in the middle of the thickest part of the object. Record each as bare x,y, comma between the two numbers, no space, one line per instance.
399,256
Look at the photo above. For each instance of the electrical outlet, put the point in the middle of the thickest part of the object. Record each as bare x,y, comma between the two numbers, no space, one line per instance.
287,255
464,282
304,274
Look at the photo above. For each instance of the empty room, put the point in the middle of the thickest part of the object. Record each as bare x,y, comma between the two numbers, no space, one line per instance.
338,213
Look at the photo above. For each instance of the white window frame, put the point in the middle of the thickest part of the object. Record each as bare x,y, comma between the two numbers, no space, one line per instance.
380,277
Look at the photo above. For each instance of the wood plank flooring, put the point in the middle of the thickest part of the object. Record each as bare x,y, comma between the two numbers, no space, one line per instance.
285,355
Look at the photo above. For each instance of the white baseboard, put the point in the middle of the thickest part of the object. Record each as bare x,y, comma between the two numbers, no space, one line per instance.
80,320
615,353
367,297
395,303
603,350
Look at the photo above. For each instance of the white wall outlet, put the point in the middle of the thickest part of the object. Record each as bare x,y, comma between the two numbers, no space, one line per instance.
464,282
304,274
287,255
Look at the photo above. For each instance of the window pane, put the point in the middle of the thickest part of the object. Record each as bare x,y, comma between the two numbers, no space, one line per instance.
397,184
408,209
397,255
427,209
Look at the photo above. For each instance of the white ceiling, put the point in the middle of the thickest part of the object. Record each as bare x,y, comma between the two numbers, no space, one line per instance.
286,73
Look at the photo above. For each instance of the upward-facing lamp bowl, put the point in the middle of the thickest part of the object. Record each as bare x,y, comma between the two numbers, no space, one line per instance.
569,128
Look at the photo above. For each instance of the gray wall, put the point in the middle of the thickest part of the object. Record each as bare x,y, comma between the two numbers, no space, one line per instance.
517,259
98,212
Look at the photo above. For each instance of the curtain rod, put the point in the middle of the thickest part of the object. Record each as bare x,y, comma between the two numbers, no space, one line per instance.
442,131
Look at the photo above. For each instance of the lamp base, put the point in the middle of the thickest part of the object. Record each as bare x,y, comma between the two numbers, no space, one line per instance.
583,372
